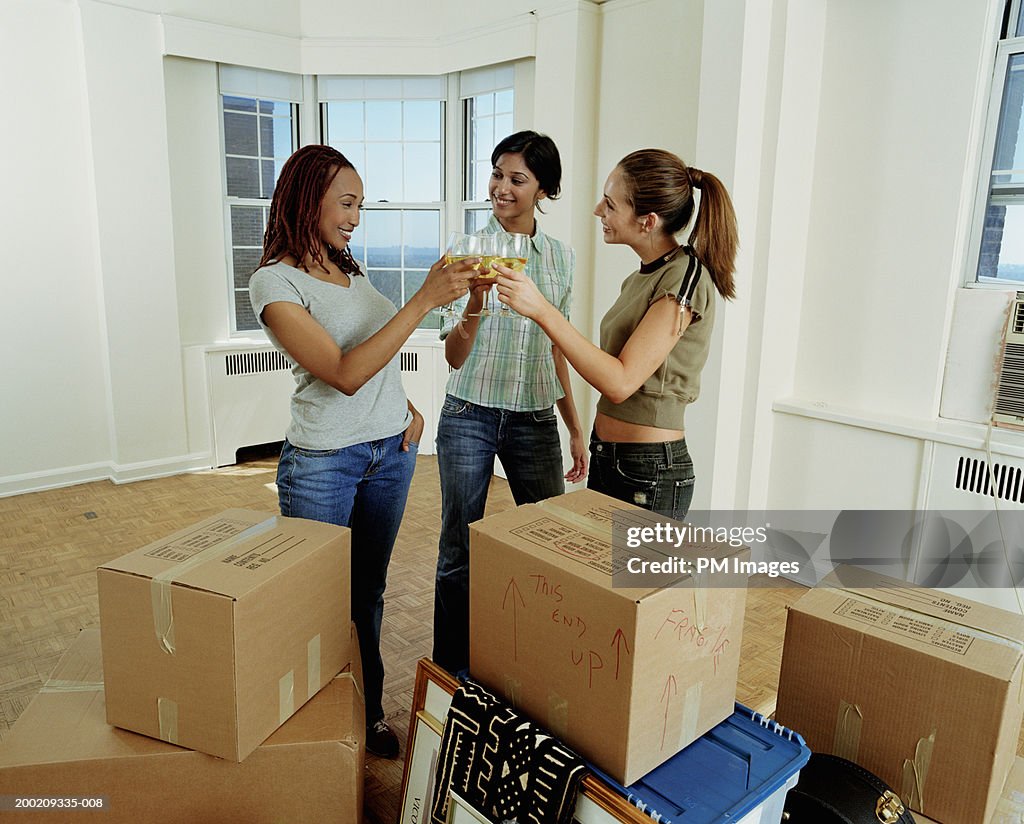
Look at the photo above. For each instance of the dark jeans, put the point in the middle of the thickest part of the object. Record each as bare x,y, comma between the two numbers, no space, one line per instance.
468,439
363,487
656,476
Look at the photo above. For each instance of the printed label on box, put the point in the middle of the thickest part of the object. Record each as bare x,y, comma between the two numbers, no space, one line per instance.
908,626
264,553
186,546
570,542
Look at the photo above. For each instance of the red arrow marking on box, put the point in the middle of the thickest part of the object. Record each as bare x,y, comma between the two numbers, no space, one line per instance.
618,641
666,697
513,588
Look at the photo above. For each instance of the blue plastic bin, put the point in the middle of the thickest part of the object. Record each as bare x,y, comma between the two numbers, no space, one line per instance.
738,772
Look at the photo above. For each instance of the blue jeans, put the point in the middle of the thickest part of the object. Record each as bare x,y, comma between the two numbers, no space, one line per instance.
468,439
655,476
363,487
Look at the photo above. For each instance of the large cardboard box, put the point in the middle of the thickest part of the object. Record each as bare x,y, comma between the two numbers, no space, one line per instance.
920,687
1010,808
214,636
61,747
625,676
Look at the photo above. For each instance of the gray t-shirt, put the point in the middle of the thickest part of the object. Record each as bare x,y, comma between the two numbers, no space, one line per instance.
323,417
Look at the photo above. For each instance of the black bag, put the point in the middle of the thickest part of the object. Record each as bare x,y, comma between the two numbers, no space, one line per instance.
832,790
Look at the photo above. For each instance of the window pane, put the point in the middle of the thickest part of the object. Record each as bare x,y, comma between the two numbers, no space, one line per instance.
1008,162
503,101
244,263
389,283
483,137
413,282
344,122
502,128
283,144
275,107
420,239
422,172
383,177
240,134
383,238
476,219
266,136
243,177
1002,243
247,226
355,153
1020,22
245,318
481,177
483,104
357,246
422,120
383,120
270,172
239,104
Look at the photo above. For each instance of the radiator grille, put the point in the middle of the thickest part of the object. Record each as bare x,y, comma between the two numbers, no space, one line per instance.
254,363
409,361
972,475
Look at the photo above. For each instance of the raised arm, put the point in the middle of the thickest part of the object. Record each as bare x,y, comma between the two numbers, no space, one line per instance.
614,376
314,349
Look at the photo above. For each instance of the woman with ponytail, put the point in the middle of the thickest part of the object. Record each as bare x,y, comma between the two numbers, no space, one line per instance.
350,450
656,336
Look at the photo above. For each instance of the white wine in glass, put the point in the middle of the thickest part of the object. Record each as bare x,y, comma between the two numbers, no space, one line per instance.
513,252
460,247
488,245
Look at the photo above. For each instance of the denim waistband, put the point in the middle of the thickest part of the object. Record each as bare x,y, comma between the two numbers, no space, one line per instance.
671,451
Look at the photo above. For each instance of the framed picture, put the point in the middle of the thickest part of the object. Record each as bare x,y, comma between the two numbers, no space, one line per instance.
597,803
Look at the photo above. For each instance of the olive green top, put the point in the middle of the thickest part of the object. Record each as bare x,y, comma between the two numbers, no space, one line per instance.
662,399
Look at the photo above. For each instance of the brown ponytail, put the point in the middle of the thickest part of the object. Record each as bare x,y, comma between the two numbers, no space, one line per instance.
658,182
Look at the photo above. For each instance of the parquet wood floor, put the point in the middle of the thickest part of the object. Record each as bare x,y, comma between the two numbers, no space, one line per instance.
51,542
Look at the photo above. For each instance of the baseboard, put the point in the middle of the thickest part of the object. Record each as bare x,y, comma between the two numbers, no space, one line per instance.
107,471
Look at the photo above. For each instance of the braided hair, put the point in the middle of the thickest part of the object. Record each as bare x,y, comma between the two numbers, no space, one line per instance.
293,225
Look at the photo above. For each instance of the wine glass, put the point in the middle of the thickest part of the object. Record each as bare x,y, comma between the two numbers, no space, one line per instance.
460,247
488,246
513,251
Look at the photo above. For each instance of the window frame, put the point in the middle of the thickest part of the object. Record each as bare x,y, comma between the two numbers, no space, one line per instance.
1008,46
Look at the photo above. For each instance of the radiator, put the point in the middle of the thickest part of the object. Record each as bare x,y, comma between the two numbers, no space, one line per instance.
246,390
249,391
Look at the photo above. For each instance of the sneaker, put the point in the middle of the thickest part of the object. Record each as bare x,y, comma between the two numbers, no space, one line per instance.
380,740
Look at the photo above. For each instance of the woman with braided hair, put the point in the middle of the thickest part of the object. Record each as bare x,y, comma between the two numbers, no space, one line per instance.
350,450
656,336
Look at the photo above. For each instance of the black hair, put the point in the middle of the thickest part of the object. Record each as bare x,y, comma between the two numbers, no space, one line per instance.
541,156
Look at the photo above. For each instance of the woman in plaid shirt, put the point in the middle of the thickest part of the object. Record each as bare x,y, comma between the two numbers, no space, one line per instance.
507,379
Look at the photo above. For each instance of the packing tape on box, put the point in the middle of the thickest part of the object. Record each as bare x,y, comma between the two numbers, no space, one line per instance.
160,587
915,773
593,528
286,696
1010,809
167,715
942,623
691,713
849,722
313,666
355,684
558,715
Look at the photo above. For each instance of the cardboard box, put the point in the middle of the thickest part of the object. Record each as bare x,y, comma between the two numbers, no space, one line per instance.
214,636
920,687
61,747
1010,808
625,676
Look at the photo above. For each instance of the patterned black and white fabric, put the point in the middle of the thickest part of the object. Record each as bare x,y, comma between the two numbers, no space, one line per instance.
507,767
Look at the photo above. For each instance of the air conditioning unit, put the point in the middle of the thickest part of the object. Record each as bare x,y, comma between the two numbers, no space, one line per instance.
1008,409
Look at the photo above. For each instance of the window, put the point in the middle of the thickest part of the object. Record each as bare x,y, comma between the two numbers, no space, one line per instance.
1000,245
392,130
260,133
487,99
396,131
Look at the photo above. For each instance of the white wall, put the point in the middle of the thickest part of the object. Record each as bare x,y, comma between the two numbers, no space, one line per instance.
54,413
